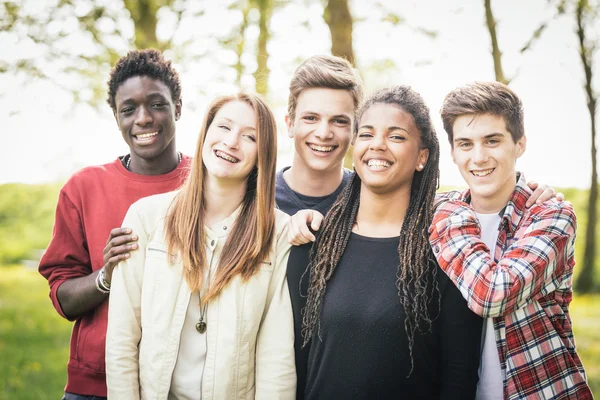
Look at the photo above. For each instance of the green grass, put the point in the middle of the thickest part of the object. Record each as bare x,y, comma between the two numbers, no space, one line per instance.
585,315
34,340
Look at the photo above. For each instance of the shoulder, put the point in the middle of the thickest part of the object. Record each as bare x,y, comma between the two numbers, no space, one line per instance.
89,174
281,242
281,222
84,183
552,212
348,174
155,204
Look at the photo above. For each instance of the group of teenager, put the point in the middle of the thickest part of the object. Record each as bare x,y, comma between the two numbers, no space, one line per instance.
188,279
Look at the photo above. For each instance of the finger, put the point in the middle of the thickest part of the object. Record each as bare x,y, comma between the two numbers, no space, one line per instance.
316,222
534,196
548,194
560,196
118,232
119,240
113,261
292,232
115,251
532,185
306,235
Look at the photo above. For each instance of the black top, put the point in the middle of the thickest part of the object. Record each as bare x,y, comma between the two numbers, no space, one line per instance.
290,202
362,349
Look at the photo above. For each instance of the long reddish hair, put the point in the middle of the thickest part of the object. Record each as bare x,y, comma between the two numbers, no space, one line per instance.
251,237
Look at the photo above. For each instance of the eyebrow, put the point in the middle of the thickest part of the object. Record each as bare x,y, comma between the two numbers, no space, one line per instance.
333,116
153,94
489,136
233,122
390,128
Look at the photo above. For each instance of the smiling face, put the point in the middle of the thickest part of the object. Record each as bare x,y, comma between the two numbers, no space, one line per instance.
486,154
146,116
322,128
230,150
387,149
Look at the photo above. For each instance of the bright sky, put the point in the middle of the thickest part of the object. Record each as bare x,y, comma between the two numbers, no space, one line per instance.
46,137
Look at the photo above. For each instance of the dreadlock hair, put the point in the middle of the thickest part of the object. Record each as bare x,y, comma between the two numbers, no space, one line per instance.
148,62
416,275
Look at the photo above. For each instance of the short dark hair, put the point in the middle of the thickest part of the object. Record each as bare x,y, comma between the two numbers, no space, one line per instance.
478,98
148,62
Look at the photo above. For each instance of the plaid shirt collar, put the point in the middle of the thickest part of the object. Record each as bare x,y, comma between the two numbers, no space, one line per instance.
514,210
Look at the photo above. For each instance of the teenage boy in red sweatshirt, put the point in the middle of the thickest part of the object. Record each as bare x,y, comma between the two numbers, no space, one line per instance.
144,93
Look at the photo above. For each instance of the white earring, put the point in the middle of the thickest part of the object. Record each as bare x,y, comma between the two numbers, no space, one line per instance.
421,166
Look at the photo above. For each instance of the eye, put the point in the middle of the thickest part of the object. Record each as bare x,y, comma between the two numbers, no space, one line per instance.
465,145
493,142
310,118
340,121
158,105
127,110
398,138
225,127
365,135
250,137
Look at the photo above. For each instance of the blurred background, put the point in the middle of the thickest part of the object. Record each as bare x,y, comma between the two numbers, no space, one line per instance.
56,56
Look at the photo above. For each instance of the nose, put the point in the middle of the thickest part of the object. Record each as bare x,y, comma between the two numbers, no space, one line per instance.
143,117
230,140
322,132
479,155
377,143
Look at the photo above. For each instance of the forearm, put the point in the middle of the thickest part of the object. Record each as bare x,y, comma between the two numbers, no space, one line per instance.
78,296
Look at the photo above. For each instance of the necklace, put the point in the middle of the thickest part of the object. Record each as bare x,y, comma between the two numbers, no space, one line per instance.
128,156
201,325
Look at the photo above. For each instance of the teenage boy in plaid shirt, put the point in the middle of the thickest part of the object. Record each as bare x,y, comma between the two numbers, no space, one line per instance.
512,264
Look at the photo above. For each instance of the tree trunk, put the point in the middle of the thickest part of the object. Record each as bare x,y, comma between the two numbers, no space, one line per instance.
338,18
496,53
585,281
239,48
143,15
261,75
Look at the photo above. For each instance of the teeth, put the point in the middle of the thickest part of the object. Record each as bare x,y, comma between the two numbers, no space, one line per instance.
378,164
325,149
146,135
226,157
483,173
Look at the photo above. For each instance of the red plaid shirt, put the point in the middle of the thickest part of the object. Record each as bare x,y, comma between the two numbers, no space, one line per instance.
526,287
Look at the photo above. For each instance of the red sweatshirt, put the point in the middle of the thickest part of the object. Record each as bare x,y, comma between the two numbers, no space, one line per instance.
90,205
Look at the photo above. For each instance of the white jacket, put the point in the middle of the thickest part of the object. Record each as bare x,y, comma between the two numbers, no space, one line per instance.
250,335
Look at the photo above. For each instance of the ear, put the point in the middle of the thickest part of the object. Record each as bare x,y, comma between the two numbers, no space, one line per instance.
178,107
521,146
290,125
422,159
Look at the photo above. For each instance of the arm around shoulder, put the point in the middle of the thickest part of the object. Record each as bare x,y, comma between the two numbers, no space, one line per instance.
538,261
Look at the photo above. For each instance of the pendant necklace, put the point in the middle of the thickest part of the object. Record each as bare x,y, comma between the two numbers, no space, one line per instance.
201,325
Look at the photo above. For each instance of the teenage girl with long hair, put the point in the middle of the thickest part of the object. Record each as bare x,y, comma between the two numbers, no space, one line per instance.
202,309
381,320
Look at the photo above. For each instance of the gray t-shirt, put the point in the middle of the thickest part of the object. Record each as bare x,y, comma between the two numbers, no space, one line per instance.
290,202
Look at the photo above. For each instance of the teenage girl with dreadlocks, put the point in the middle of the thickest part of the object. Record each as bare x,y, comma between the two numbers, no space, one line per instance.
384,321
